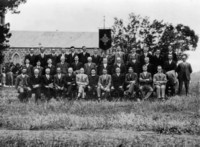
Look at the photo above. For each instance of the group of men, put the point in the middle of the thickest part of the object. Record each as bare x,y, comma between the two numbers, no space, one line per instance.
115,75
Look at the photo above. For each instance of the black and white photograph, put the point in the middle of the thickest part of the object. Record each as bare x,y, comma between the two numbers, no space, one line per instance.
99,73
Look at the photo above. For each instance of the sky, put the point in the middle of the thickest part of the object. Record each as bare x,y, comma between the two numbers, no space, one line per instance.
87,15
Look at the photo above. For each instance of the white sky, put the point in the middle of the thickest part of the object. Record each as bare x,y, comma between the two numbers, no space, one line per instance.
87,15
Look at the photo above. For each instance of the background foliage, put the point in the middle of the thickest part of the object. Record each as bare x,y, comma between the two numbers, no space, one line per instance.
140,31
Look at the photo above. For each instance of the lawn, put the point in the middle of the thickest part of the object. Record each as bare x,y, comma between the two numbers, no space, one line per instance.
90,123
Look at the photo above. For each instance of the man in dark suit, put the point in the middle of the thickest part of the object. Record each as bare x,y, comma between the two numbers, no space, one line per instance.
59,83
104,65
150,67
135,65
53,57
145,80
171,52
84,55
70,82
42,57
134,55
118,80
89,66
32,57
63,54
48,87
36,84
72,55
96,58
76,65
184,70
51,67
29,67
63,65
120,65
144,55
170,64
157,59
131,81
38,66
93,84
22,85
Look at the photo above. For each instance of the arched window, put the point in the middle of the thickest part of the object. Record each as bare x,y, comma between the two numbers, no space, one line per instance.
16,58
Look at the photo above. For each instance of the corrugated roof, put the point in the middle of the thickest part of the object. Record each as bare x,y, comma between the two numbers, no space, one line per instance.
53,39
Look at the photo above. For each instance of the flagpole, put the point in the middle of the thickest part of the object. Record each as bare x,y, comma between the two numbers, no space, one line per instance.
104,22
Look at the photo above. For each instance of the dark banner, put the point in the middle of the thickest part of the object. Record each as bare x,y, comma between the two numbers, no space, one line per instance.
105,40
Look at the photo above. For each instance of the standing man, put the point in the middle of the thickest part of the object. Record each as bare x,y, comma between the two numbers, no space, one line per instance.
120,65
32,57
89,66
42,57
160,80
51,67
29,67
63,65
63,54
72,55
104,65
53,57
157,59
84,55
22,85
171,52
96,58
184,70
76,65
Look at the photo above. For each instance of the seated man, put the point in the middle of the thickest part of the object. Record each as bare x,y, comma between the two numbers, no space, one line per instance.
117,84
93,83
145,83
104,84
160,80
59,83
70,82
36,84
22,85
131,83
48,84
81,81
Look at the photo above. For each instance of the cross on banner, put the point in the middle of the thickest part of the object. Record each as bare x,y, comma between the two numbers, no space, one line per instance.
105,39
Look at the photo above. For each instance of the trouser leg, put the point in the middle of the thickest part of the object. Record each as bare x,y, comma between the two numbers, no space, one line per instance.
180,86
158,91
163,91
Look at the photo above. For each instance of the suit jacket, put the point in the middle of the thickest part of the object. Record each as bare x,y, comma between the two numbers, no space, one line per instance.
29,70
96,59
151,69
41,70
143,78
118,80
54,59
76,66
136,67
105,81
93,80
52,69
101,67
89,68
46,81
175,59
42,59
130,56
156,61
82,79
32,59
142,57
59,56
83,58
22,82
59,82
184,71
71,57
64,67
122,67
131,77
168,67
159,78
36,81
70,78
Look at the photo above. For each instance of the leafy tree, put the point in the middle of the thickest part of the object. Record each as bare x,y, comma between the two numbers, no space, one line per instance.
5,6
140,31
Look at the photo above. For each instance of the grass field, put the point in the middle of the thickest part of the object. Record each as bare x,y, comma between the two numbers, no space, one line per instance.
175,122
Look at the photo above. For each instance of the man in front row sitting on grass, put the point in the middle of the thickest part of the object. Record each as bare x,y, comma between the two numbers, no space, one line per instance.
160,80
22,86
145,83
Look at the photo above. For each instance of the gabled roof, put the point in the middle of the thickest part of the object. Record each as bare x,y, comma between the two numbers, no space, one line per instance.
53,39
